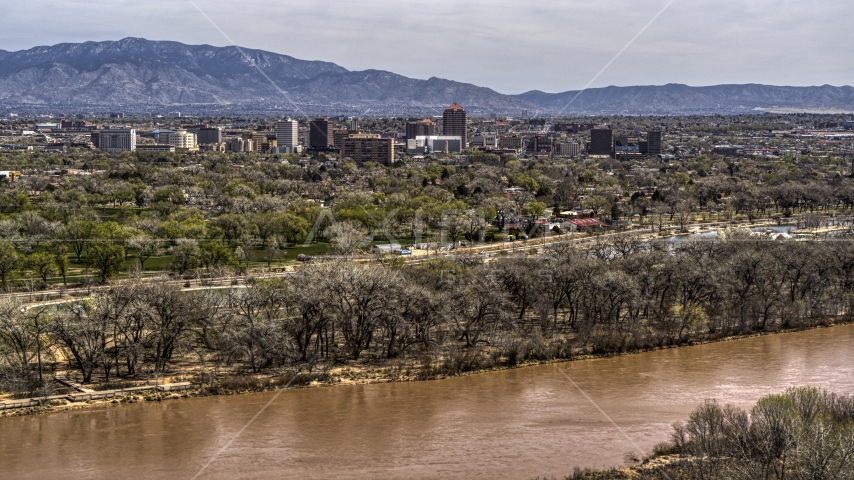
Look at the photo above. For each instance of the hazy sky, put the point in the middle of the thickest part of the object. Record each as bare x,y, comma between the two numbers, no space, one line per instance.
510,46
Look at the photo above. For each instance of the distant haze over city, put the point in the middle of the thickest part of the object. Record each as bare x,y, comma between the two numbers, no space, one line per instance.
140,75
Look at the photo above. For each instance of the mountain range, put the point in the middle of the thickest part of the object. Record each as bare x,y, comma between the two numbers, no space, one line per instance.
140,74
676,99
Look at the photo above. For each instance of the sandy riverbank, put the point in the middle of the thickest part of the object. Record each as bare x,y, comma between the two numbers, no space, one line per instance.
362,374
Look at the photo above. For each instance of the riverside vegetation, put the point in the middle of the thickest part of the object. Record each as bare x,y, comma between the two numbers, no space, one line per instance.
802,434
91,217
444,316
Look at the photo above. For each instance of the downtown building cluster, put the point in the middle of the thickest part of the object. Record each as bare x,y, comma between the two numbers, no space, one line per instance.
452,133
386,140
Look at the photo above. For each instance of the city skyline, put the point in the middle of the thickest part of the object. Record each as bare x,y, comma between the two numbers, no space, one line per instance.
701,43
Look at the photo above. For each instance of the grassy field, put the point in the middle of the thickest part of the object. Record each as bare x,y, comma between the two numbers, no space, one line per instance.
79,272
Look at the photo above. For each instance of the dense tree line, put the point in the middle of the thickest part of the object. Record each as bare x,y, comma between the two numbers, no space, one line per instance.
450,314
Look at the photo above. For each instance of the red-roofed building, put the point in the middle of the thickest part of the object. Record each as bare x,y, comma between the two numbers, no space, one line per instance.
587,223
454,123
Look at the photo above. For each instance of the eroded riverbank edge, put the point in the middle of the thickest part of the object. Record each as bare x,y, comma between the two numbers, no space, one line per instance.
386,372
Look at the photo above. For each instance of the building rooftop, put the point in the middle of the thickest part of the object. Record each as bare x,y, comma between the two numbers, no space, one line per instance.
587,222
455,106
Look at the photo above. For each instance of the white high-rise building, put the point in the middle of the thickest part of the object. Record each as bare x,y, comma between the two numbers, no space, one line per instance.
287,135
117,140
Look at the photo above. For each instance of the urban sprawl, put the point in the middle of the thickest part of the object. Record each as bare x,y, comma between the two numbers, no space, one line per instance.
460,179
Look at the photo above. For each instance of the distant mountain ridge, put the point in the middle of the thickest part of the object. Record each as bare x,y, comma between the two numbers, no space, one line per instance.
136,71
681,99
139,73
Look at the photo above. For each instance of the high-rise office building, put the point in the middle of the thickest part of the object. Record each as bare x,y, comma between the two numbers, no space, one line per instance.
287,134
369,148
320,133
209,135
117,140
454,123
354,124
653,142
602,141
424,128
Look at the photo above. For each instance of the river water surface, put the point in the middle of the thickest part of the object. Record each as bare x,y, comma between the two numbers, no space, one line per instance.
514,424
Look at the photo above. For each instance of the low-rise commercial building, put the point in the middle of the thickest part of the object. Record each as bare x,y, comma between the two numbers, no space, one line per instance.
182,140
484,140
213,147
539,144
56,148
240,145
13,146
155,148
435,144
727,150
566,149
513,142
261,142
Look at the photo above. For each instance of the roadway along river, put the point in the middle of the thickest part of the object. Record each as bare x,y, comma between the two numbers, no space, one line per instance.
512,424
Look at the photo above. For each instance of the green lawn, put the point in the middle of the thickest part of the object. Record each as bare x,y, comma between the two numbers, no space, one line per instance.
78,271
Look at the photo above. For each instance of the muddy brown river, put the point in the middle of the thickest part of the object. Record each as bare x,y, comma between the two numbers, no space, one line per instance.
514,424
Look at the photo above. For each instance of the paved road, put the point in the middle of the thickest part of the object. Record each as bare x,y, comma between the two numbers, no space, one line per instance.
56,295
